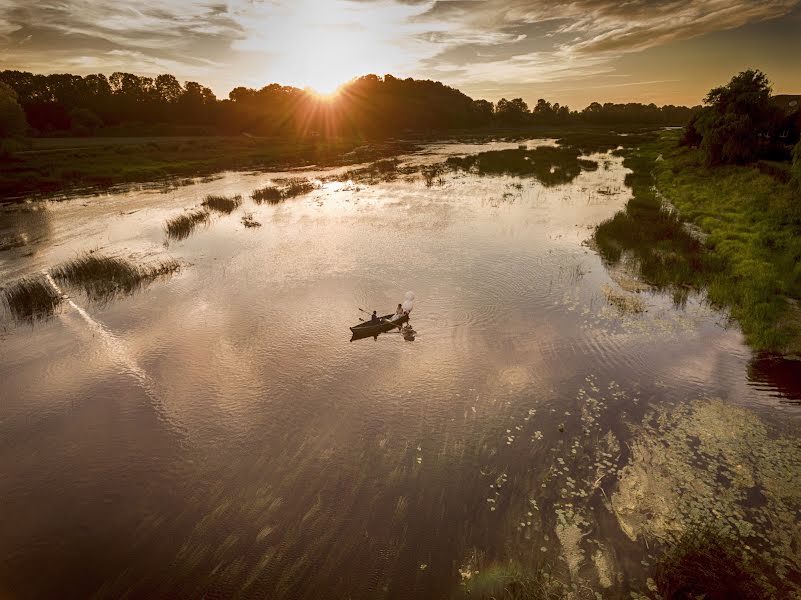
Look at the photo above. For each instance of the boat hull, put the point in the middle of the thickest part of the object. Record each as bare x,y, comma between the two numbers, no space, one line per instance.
367,329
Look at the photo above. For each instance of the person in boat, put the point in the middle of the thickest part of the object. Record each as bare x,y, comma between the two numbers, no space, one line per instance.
374,319
399,312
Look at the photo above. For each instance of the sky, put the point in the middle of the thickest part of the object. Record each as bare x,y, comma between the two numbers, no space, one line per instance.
574,53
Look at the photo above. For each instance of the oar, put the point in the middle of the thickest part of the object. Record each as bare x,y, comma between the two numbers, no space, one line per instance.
382,320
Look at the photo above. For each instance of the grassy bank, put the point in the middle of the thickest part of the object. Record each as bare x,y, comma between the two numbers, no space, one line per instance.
62,164
56,165
748,261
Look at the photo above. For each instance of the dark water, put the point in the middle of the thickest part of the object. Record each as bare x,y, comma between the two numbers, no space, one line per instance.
218,434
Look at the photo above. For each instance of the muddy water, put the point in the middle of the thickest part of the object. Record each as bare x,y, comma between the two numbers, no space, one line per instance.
217,433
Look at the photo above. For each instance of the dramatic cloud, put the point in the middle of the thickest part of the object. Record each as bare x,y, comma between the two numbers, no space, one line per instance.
487,47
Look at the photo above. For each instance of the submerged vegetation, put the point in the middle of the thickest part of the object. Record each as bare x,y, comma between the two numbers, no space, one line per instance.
31,298
103,277
706,564
181,227
222,204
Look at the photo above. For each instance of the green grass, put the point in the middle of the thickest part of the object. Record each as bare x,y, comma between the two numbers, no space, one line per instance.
103,277
222,204
70,164
182,226
750,263
31,298
549,165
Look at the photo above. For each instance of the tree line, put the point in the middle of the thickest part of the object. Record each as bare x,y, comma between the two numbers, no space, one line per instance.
369,106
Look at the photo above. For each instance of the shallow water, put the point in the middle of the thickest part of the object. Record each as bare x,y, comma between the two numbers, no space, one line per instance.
217,433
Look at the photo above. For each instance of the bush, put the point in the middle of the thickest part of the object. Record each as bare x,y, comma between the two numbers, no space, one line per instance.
12,117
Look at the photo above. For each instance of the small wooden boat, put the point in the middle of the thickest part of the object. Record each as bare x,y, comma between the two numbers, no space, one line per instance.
366,329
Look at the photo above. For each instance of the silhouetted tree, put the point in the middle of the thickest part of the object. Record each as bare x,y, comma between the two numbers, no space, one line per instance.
736,119
12,117
511,112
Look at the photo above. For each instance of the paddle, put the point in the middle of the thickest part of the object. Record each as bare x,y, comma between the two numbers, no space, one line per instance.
381,318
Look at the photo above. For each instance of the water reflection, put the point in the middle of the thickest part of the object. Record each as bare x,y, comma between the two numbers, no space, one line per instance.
219,422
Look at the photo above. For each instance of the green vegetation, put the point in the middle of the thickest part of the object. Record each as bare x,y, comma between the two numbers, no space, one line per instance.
181,227
550,165
511,581
297,186
749,261
222,204
31,298
62,164
269,194
738,123
103,277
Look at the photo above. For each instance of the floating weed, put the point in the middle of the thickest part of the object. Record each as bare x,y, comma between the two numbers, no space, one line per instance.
222,204
625,303
31,298
249,222
181,227
705,462
103,277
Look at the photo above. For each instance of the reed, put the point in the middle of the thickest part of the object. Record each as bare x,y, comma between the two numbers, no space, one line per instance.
222,204
182,226
31,298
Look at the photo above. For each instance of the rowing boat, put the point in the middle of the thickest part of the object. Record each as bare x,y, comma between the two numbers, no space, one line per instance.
367,328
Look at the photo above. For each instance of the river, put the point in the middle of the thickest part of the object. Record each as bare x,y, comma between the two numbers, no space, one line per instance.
217,433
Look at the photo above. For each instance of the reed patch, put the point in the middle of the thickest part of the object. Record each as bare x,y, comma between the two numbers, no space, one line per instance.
181,227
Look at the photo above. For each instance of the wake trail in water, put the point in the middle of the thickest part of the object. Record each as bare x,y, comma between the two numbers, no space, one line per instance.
120,355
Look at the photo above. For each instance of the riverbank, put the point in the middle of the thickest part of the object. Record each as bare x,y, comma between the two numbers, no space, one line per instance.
743,246
67,165
60,165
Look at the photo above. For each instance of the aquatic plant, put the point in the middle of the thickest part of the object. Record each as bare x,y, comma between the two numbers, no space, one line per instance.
548,164
180,227
248,221
706,564
297,186
511,581
222,204
31,298
270,194
103,277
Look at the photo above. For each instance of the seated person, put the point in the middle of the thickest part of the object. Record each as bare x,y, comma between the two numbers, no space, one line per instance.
374,319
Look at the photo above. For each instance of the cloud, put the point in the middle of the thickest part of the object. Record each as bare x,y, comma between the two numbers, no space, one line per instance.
477,44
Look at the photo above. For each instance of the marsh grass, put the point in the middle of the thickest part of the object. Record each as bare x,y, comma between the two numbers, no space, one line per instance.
222,204
297,186
705,564
549,165
182,226
748,260
292,187
31,298
102,278
269,194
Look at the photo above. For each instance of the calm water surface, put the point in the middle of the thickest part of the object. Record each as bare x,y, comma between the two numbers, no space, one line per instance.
218,434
